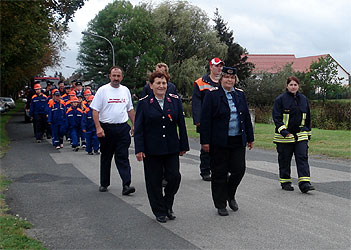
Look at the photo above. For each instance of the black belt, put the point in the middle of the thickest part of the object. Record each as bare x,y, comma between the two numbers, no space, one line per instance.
112,124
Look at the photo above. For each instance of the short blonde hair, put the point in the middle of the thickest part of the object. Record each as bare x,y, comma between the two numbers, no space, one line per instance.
162,65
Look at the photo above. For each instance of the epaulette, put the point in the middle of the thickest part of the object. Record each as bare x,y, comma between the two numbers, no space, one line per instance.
173,95
239,89
45,96
143,97
68,110
214,88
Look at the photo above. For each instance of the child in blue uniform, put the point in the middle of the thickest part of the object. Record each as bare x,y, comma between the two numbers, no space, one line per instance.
56,118
38,112
88,127
73,122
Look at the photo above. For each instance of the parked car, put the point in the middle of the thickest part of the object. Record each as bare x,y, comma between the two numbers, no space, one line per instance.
3,107
9,101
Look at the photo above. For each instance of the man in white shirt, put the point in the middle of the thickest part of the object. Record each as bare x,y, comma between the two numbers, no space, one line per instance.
112,106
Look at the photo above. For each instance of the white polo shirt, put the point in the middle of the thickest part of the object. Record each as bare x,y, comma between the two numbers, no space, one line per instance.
112,104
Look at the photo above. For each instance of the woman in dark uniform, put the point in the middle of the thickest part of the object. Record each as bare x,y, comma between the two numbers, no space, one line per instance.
226,129
158,144
291,115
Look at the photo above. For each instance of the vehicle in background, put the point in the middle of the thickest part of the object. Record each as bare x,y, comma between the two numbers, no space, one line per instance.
43,80
3,107
9,101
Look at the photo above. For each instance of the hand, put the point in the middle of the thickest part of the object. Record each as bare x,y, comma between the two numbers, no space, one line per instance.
132,131
140,156
250,145
197,124
205,147
100,132
181,153
84,131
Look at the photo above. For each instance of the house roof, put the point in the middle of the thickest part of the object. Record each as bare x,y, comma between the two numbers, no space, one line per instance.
274,63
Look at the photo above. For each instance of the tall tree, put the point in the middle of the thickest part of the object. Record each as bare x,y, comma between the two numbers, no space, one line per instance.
324,76
235,54
32,34
134,37
188,41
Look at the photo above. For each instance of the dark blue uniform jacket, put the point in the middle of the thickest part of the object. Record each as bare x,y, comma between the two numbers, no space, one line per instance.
155,131
74,118
56,112
215,116
38,105
88,121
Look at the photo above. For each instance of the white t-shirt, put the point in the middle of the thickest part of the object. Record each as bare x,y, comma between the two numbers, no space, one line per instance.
112,104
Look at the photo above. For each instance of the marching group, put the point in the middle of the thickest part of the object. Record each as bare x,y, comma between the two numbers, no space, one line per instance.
220,113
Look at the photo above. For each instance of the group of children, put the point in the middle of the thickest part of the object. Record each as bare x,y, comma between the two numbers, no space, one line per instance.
68,114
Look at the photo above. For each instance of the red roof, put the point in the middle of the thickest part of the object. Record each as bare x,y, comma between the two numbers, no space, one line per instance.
275,63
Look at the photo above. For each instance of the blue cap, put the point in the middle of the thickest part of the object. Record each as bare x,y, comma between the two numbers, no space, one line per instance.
229,71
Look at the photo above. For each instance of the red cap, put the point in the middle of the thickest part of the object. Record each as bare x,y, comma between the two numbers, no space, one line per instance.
87,92
216,61
90,98
72,93
37,86
74,99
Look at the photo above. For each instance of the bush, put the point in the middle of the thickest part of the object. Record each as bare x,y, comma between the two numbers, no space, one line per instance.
187,109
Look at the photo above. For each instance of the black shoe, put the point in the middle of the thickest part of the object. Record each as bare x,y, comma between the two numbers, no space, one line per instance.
102,189
75,149
164,183
306,186
287,186
170,214
161,219
128,190
223,212
233,205
96,152
206,177
90,153
38,141
48,137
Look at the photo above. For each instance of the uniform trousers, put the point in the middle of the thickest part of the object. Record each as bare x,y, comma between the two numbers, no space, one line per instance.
58,130
285,153
39,122
115,143
155,168
205,161
92,141
228,168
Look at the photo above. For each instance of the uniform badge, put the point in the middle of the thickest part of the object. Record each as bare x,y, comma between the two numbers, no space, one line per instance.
151,100
173,95
214,88
168,99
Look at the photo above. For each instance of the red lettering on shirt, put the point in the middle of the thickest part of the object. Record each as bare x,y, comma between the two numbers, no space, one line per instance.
116,100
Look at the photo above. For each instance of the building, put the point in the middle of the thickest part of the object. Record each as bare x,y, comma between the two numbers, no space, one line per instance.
275,63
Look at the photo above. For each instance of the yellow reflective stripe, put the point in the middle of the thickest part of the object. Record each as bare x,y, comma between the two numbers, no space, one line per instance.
304,179
281,128
302,136
281,139
284,180
303,119
286,119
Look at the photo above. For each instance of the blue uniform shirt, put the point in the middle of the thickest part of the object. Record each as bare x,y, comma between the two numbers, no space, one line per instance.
234,126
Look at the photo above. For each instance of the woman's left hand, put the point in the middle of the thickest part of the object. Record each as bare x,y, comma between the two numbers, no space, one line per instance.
250,145
181,153
140,156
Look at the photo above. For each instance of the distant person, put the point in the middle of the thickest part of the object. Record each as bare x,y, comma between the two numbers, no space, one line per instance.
74,116
79,89
201,87
88,127
37,112
226,130
112,106
57,119
61,87
171,88
292,119
160,138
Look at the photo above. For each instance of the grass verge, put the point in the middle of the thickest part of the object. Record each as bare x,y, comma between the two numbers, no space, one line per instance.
12,228
329,143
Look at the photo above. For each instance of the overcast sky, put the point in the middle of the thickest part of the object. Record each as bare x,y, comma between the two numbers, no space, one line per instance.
300,27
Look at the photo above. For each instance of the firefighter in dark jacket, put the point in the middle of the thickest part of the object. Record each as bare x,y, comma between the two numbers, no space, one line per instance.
37,112
291,115
201,87
159,144
225,131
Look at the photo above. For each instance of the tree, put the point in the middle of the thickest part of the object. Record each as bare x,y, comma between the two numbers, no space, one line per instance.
323,76
32,34
235,56
134,37
188,41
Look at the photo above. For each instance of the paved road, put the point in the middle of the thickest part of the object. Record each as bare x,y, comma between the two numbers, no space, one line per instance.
58,193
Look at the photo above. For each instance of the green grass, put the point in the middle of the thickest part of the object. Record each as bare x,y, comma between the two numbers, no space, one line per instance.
12,228
330,143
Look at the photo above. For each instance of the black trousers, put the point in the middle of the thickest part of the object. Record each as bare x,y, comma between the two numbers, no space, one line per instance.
115,143
228,168
205,161
155,168
39,122
285,153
